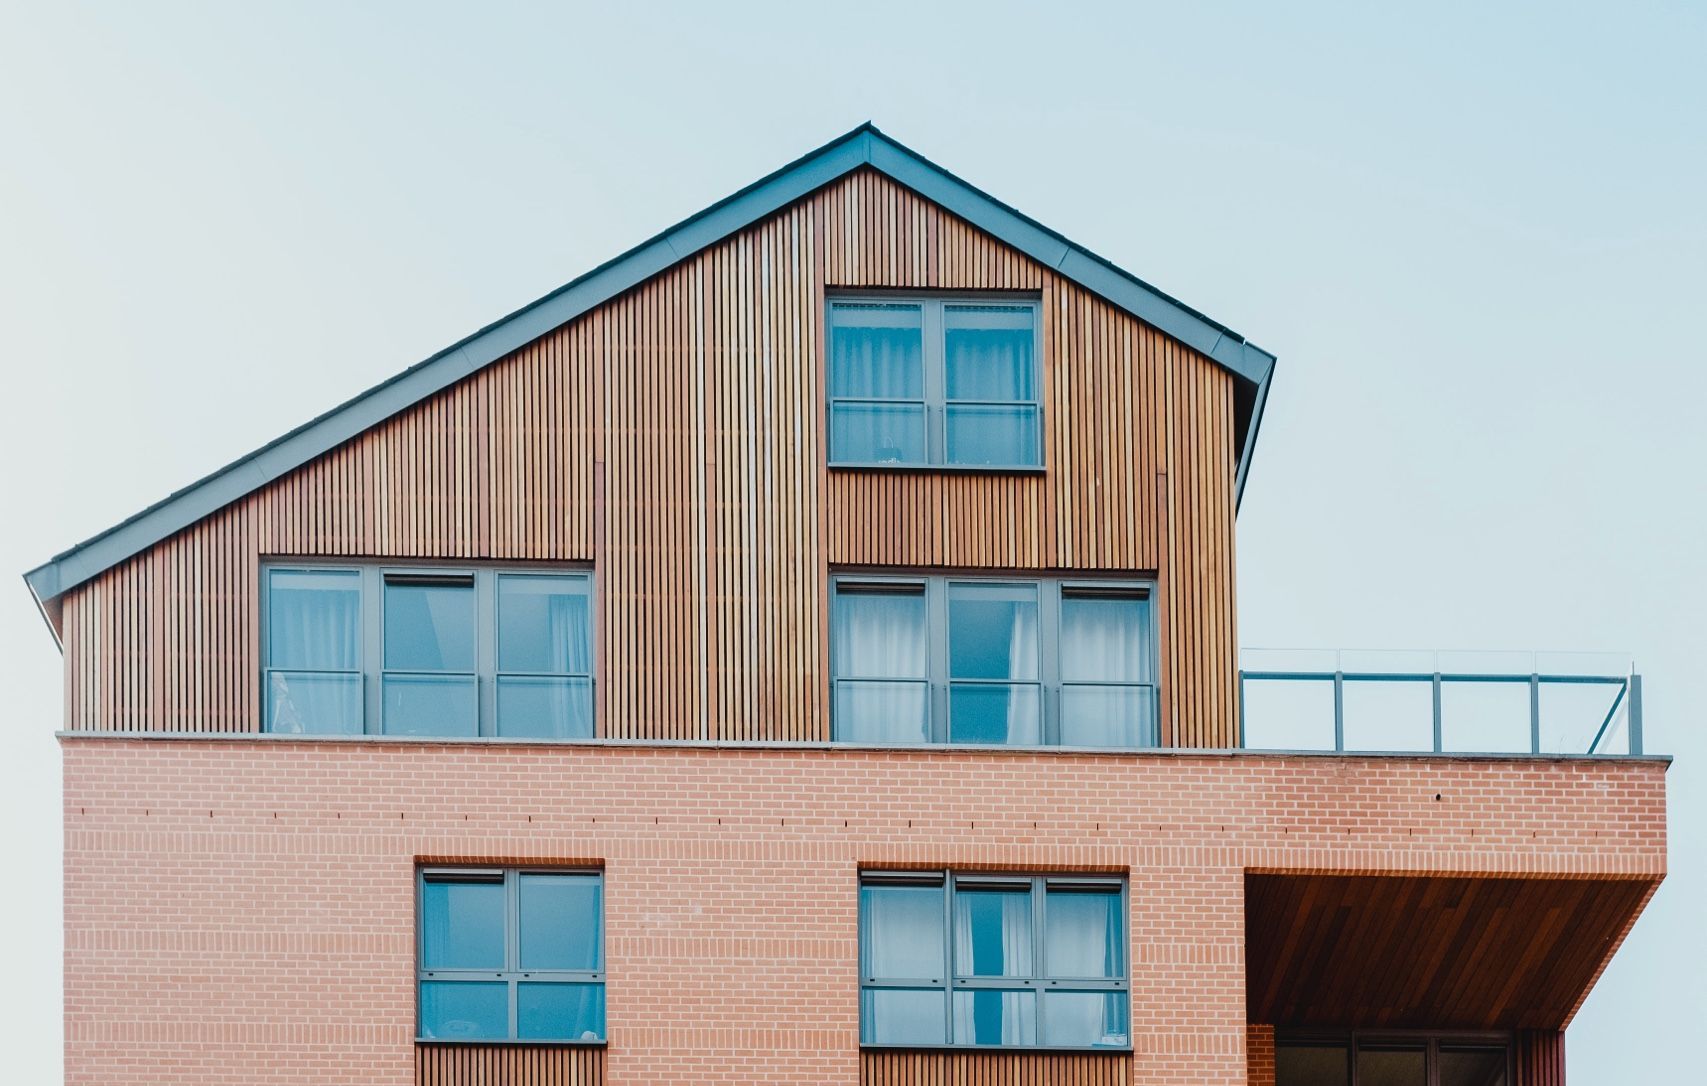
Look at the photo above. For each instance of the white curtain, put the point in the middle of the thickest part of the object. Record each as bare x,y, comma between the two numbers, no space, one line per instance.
881,659
989,353
313,626
1104,639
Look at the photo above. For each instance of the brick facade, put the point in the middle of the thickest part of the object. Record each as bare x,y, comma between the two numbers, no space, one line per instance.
241,910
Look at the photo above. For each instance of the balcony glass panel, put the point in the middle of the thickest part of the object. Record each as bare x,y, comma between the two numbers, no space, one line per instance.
314,703
1108,716
464,1010
995,713
1289,714
877,711
545,708
991,1016
430,705
872,433
1389,714
1484,716
993,434
903,1016
560,1012
1085,1019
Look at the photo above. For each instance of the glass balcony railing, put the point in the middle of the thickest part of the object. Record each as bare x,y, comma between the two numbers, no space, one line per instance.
1444,702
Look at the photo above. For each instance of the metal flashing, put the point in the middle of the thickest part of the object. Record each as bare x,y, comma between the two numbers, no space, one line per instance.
863,146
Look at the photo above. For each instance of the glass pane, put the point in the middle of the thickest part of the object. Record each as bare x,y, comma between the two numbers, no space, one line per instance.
429,705
1108,716
464,1010
545,708
901,936
1085,1019
992,933
988,352
1084,935
1004,436
1472,1067
902,1016
314,620
992,631
462,925
877,352
560,1012
863,433
1289,714
561,922
989,1016
429,627
879,635
543,625
882,712
315,704
1105,639
1383,714
1312,1065
995,713
1484,717
1391,1067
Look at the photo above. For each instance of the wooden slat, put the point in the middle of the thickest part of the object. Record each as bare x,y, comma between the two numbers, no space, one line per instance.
508,1065
674,438
1540,1057
1430,952
994,1069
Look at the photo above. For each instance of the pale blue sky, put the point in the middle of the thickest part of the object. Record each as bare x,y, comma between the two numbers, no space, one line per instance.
1476,238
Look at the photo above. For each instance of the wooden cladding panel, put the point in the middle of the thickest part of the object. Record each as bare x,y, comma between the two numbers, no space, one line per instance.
675,438
1430,952
994,1069
508,1065
1540,1057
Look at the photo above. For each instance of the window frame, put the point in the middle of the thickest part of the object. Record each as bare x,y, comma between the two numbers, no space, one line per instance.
512,975
1430,1041
1051,591
1039,980
372,577
933,361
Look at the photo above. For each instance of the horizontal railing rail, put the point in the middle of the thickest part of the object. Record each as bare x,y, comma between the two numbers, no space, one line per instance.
1406,701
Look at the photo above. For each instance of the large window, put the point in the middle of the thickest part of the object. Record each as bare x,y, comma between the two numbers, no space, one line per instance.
428,651
920,381
978,660
511,955
986,960
1397,1059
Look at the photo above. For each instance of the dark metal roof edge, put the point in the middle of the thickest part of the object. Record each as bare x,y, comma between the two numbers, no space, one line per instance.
864,145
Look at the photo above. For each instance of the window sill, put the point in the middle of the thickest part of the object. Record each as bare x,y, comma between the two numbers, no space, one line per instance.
1018,1050
492,1042
940,469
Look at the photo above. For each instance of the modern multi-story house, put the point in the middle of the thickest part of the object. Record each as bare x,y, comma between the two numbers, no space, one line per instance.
802,650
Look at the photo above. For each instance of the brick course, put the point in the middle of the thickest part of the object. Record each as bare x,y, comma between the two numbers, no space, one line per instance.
242,910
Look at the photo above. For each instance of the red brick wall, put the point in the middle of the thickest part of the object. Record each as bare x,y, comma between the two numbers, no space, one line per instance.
241,910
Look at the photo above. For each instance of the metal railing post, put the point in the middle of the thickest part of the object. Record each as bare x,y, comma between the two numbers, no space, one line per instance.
1534,713
1339,709
1635,713
1438,746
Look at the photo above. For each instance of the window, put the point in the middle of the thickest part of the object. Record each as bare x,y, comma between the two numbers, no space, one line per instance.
428,651
981,660
986,960
511,955
918,381
1399,1059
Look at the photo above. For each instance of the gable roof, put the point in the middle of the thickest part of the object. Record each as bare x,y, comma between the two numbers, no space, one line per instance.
865,146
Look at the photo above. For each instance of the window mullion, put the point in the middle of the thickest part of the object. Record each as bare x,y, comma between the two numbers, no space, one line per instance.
372,650
936,606
934,358
485,652
949,963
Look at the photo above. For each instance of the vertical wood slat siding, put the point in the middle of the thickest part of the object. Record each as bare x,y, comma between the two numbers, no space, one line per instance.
1540,1057
993,1069
694,404
508,1065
